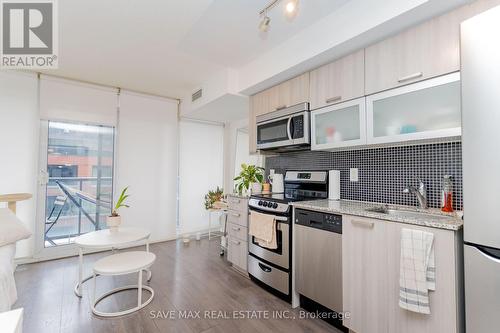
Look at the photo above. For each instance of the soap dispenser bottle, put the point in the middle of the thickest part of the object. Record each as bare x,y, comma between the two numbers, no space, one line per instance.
447,194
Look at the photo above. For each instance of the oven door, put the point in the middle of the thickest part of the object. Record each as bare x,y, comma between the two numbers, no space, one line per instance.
281,255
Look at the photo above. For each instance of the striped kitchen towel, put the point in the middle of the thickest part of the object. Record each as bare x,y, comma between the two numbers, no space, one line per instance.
417,270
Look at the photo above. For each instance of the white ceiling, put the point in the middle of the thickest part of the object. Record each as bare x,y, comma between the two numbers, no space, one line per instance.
227,32
168,47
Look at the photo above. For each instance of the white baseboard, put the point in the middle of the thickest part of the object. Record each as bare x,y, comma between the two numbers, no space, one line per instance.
34,259
203,232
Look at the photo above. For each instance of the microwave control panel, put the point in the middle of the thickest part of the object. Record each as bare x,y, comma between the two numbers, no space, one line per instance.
298,127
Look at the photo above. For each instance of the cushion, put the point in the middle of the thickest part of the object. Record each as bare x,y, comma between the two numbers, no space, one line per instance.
11,228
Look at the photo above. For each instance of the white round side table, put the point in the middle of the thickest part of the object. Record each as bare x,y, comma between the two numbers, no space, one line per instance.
107,240
121,264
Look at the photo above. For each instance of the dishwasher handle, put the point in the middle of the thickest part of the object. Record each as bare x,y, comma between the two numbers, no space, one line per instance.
315,223
318,220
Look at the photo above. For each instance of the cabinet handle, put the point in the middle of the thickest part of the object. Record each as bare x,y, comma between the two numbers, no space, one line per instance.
236,228
234,242
333,99
281,107
410,77
235,214
364,224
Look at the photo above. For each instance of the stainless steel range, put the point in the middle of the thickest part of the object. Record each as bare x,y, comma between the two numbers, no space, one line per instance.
272,268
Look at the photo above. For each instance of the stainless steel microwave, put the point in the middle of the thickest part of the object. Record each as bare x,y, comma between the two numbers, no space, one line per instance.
285,129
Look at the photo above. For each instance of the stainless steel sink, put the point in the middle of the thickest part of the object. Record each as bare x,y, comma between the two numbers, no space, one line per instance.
407,213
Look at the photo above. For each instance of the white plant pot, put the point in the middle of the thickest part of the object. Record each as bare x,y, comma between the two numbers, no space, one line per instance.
113,222
256,187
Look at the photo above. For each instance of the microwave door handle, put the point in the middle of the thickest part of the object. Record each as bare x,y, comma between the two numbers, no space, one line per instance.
288,128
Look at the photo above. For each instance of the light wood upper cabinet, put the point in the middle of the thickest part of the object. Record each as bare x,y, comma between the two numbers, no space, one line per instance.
428,50
339,125
259,104
339,81
288,93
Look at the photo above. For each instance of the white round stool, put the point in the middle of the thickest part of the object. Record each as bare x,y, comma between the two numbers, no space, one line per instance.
121,264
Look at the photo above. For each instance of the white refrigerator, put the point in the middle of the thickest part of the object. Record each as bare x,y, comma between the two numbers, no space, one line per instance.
480,73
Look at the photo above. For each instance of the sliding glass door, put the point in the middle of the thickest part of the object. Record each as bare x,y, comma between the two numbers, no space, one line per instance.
77,180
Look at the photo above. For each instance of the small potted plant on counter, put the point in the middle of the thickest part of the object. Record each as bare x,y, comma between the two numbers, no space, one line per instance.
114,220
250,177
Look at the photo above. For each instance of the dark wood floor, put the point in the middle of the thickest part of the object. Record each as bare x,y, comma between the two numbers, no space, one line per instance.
191,278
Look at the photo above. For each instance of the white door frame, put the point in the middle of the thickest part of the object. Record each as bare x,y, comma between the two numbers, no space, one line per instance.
41,251
65,250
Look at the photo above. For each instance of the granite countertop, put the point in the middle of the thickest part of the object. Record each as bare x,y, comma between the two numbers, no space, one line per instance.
450,221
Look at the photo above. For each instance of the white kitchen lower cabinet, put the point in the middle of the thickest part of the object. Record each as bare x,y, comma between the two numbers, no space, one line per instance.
237,253
364,264
371,261
237,231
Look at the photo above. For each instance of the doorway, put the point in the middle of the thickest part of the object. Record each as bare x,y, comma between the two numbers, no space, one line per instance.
76,162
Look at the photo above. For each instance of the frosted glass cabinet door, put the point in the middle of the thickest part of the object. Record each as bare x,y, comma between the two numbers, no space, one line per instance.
424,110
339,125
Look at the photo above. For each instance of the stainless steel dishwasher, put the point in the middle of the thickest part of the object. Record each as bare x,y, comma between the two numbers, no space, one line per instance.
318,248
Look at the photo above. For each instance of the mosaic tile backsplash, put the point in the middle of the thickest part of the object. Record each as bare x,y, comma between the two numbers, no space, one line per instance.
384,172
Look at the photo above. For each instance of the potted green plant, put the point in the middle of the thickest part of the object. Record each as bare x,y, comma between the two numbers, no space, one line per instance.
114,220
250,177
214,199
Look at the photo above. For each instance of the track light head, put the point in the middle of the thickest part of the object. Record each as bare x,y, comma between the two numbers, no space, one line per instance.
291,9
264,23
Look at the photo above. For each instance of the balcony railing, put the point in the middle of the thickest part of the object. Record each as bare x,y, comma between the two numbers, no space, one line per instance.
77,216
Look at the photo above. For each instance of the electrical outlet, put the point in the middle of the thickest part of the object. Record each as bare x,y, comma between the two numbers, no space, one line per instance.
354,174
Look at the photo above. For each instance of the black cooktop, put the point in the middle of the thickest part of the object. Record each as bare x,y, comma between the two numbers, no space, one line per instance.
281,197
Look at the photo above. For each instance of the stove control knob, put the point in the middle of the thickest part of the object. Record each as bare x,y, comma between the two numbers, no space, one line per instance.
264,203
275,205
260,202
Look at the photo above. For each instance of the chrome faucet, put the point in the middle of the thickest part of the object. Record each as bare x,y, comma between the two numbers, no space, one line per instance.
420,192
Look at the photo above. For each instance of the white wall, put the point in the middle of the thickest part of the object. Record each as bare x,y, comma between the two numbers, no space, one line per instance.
19,126
200,170
147,163
146,156
230,153
221,83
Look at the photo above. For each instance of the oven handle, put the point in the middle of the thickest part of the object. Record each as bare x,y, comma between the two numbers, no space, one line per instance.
265,268
289,128
276,217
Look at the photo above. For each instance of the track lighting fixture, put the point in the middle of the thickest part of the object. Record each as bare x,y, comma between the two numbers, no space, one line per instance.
264,23
291,8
